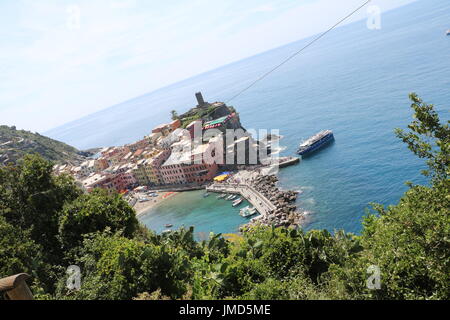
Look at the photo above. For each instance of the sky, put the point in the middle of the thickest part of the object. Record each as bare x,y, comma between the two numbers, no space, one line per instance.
61,60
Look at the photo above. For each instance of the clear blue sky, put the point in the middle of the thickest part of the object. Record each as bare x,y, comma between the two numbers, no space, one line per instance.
55,68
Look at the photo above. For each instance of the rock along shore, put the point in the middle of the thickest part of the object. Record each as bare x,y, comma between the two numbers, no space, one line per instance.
285,213
276,207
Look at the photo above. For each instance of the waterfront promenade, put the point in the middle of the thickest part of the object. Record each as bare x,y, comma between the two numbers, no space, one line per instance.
259,201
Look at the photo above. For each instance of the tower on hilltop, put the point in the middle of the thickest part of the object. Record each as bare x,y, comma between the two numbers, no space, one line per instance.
200,100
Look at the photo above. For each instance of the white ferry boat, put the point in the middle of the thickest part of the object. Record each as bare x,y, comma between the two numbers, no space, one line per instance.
316,142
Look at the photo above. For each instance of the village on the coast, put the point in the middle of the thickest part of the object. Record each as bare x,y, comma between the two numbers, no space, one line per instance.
182,155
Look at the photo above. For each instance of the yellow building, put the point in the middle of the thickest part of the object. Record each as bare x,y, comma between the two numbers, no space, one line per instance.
152,172
140,174
148,154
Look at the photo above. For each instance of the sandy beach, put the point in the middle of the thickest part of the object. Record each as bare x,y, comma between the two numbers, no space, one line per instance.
142,207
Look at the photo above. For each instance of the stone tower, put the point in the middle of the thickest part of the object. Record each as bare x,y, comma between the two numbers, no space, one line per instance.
200,100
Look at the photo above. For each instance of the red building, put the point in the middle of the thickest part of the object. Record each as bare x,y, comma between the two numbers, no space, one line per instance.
175,124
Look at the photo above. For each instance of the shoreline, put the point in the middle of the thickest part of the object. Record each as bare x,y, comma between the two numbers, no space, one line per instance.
266,214
143,207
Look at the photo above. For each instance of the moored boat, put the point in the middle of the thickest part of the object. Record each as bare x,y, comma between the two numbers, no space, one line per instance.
205,195
237,202
247,212
316,142
243,209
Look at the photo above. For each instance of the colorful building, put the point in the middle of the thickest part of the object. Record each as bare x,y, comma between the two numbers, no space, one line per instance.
123,180
175,124
87,168
141,144
163,129
103,181
140,173
221,123
180,167
101,164
152,172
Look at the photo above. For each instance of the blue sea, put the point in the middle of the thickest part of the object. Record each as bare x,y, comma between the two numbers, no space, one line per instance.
355,81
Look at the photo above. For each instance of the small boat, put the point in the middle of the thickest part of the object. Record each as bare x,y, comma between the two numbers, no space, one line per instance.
248,212
448,32
237,202
231,197
316,142
243,210
168,225
223,195
205,195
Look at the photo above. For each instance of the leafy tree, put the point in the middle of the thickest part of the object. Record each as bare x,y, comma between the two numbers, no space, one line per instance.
428,138
31,198
18,254
95,212
410,244
271,257
181,239
174,115
114,268
17,251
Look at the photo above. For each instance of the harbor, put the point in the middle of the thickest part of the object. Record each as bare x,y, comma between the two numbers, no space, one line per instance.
246,198
276,207
191,208
257,200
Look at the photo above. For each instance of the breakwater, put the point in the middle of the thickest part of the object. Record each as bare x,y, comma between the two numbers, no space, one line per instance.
276,207
261,203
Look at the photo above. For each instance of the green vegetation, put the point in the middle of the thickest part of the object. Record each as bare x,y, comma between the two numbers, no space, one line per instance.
93,212
196,114
14,144
47,224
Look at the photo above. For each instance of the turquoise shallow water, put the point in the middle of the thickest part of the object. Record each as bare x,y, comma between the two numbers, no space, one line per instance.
192,209
355,81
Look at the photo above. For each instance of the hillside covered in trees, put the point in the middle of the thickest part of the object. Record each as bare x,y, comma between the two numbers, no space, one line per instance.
14,144
48,224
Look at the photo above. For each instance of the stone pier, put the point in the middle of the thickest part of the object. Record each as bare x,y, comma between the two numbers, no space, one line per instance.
259,201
